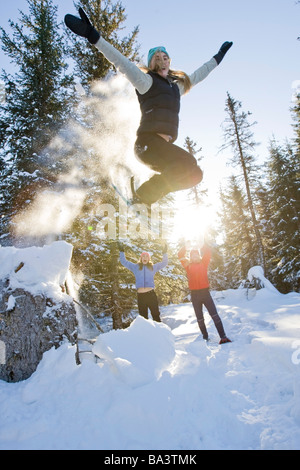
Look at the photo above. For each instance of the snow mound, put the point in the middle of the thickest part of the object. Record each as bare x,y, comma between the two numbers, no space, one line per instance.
257,273
159,385
139,354
38,270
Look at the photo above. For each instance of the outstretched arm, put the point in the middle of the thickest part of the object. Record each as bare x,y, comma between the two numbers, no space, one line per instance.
181,255
205,69
83,27
127,264
140,80
162,264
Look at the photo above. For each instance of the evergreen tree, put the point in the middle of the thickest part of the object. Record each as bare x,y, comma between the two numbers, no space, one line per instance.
296,117
37,100
197,193
239,136
265,221
96,254
283,172
238,245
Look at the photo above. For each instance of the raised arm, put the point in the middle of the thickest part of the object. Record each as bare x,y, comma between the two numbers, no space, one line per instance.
140,80
127,264
181,255
202,72
83,27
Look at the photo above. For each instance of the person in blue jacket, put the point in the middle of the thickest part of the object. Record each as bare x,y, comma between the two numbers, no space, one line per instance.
144,272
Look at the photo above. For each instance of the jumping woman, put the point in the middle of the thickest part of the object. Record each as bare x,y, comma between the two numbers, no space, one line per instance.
158,89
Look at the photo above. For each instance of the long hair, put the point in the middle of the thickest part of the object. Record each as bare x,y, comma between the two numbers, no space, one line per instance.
176,75
149,265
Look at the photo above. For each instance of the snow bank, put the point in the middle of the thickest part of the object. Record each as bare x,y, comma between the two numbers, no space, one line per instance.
257,273
160,386
140,353
38,270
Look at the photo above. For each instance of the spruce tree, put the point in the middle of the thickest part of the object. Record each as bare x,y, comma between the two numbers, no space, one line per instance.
197,193
296,125
101,290
239,243
283,176
239,136
37,100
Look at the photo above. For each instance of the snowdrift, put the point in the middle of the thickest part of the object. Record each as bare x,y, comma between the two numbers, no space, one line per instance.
159,385
38,270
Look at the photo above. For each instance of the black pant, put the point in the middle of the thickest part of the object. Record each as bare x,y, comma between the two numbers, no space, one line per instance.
177,169
148,300
202,297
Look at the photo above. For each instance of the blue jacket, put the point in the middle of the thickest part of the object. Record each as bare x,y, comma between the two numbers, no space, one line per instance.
143,277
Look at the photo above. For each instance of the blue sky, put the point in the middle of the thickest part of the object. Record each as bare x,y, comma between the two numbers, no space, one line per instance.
259,70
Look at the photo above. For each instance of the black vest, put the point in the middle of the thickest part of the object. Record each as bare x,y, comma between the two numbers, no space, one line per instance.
160,107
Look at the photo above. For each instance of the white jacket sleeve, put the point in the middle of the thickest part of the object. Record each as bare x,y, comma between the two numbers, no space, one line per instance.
201,73
140,80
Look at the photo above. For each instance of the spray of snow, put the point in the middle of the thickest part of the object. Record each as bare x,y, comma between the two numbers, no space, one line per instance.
98,143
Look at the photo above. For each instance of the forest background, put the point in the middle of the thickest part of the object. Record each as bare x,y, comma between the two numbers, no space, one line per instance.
67,125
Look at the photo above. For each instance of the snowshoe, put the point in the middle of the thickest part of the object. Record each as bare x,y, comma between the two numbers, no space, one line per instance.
127,201
135,198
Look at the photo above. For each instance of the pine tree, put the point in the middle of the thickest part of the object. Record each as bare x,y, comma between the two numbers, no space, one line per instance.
265,220
283,173
296,117
93,132
238,245
239,136
197,193
37,100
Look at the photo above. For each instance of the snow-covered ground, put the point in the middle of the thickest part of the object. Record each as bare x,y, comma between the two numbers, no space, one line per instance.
160,386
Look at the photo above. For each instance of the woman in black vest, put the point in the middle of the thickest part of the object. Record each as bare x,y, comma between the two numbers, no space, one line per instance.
158,89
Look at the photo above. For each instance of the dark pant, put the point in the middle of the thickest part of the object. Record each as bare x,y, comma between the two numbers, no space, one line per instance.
148,300
202,297
177,169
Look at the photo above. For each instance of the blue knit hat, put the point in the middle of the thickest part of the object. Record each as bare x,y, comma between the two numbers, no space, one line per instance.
154,50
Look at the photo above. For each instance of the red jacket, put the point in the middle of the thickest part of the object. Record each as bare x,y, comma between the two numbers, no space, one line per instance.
196,272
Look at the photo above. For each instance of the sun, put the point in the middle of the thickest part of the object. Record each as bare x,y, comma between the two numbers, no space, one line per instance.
191,222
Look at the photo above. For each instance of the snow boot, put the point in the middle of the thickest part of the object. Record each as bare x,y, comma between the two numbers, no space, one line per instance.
135,197
224,340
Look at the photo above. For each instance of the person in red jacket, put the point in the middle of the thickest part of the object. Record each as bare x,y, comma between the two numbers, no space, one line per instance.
196,269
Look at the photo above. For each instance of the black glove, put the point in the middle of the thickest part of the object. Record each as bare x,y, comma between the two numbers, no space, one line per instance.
82,27
222,51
